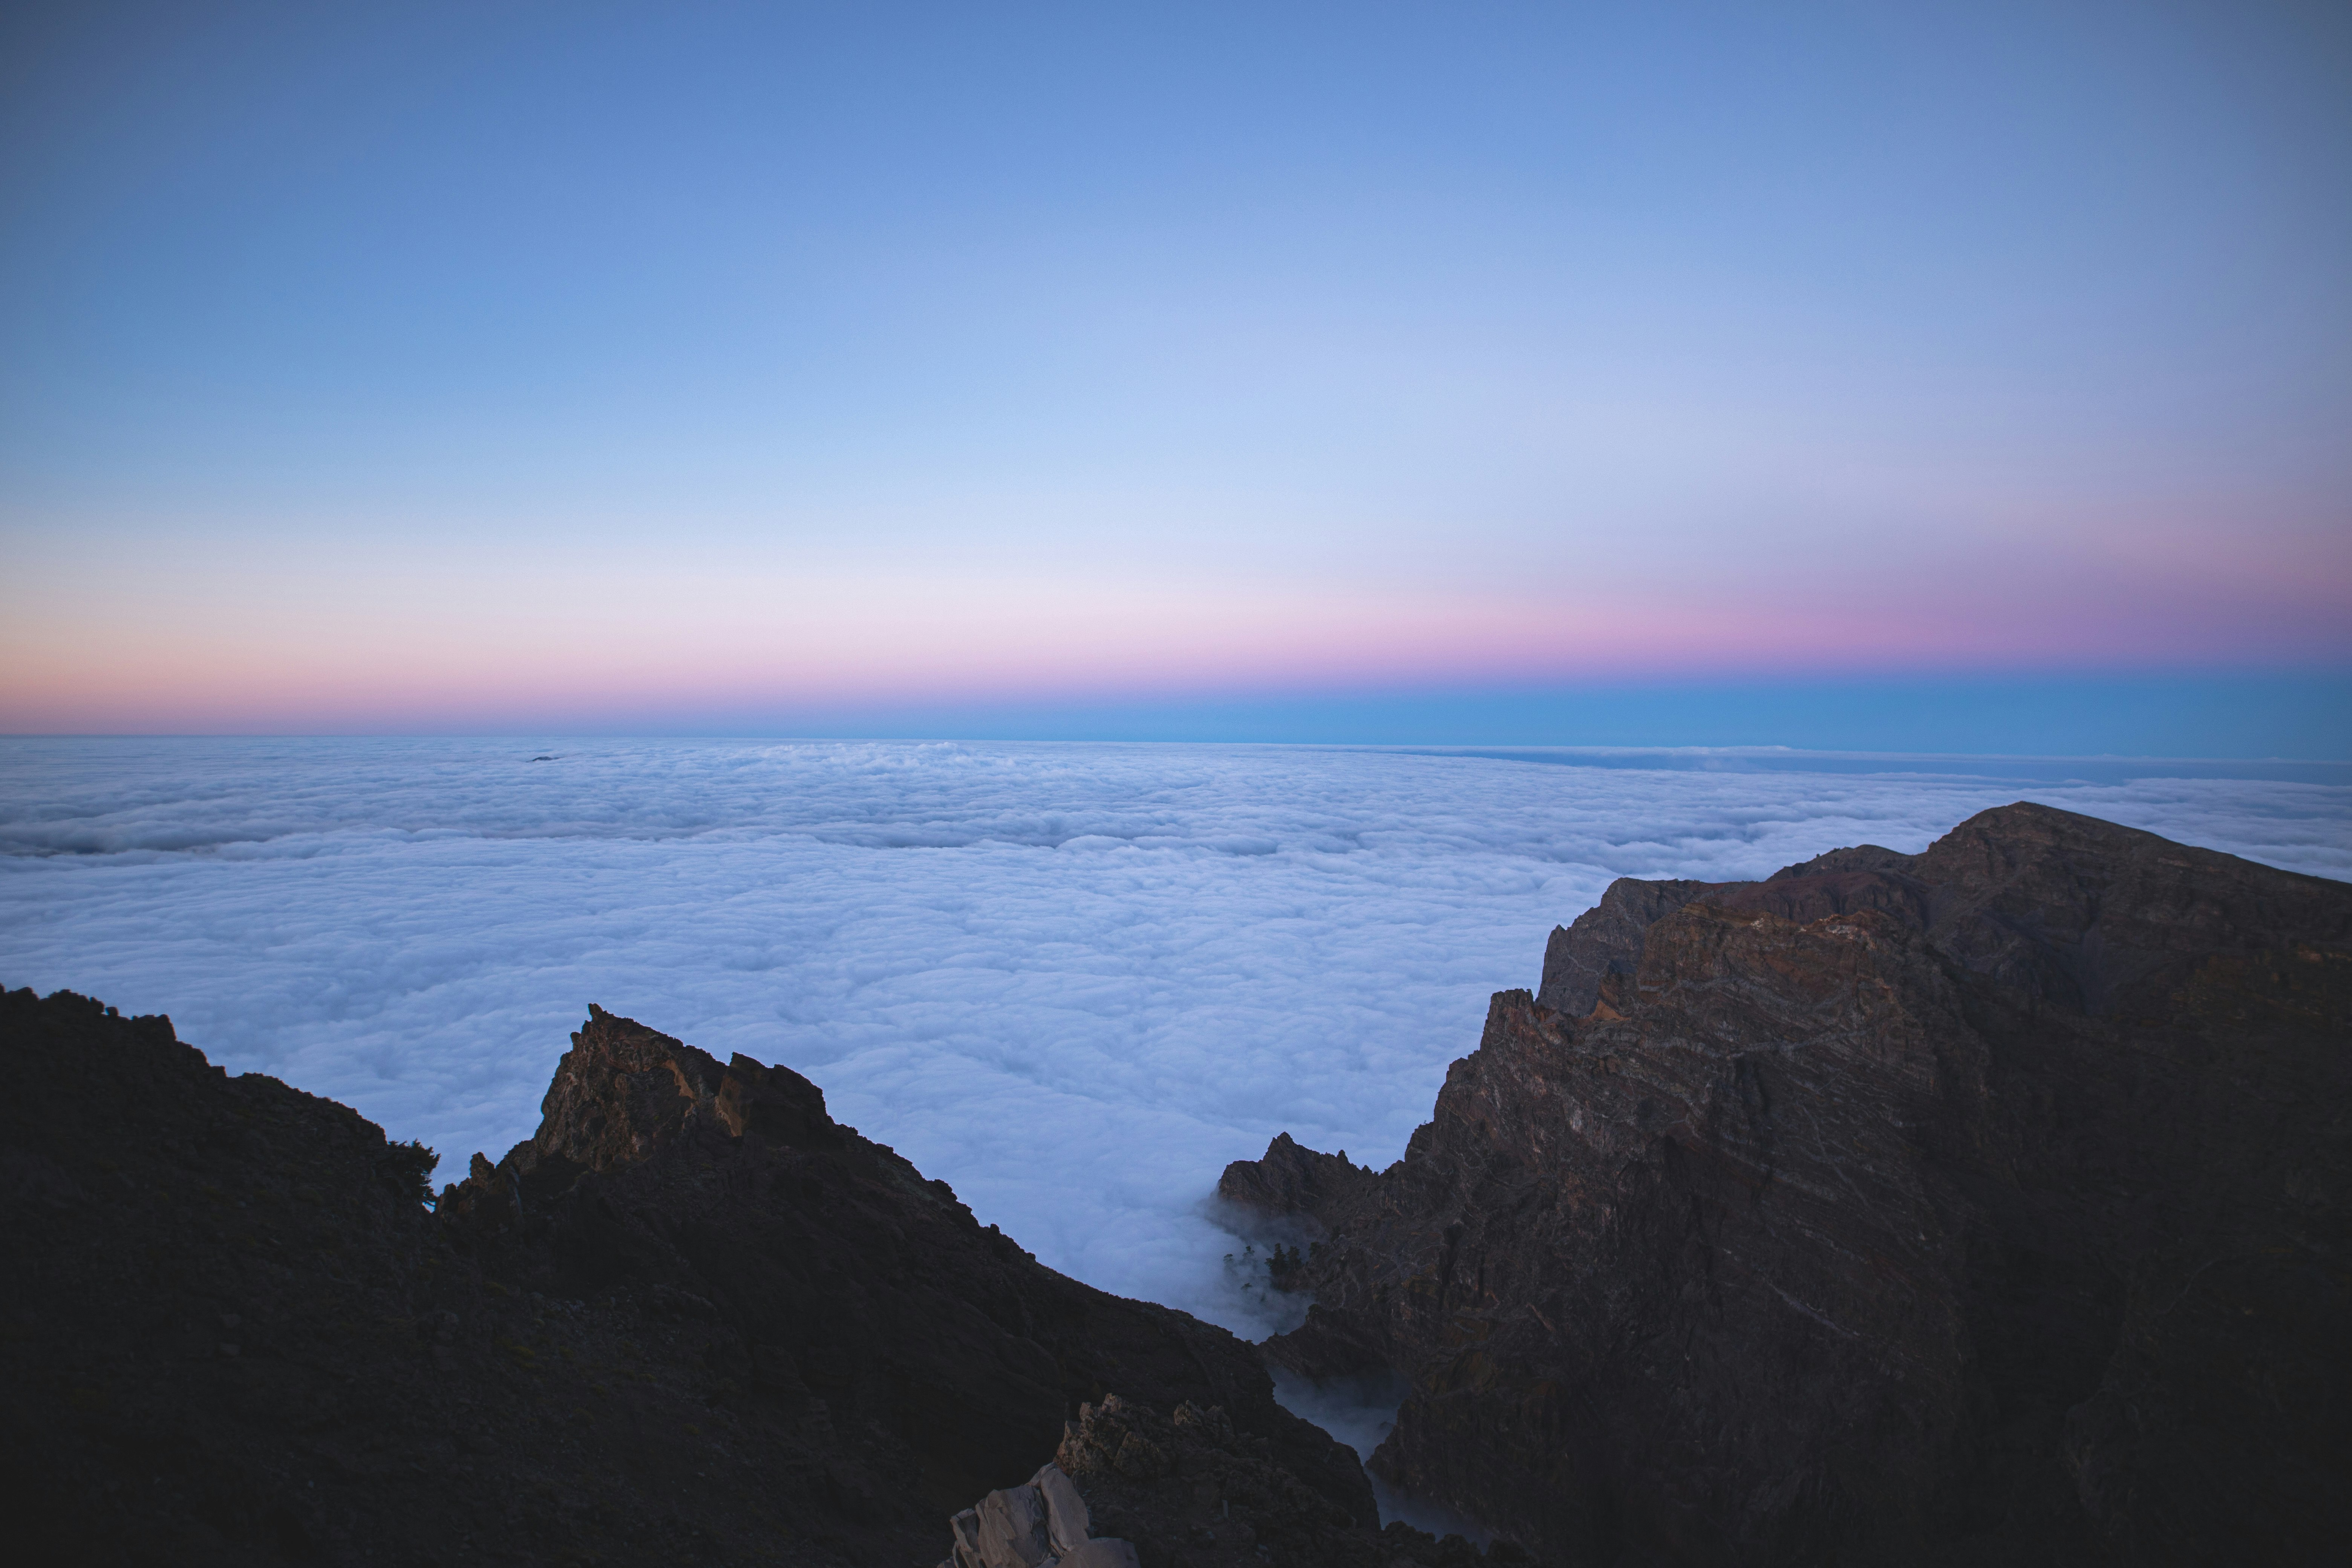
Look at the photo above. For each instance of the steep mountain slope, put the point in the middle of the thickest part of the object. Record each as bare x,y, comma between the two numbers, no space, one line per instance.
1987,1204
692,1318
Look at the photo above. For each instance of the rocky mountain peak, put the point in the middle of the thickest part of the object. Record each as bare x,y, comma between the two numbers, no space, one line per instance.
623,1090
691,1317
1984,1204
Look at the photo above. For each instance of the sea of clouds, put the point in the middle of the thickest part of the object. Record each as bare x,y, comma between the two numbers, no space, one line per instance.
1072,980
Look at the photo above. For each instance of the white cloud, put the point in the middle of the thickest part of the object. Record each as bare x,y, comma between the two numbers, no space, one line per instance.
1073,981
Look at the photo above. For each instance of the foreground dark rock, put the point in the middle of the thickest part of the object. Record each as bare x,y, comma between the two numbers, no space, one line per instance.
1983,1205
1044,1522
692,1320
1132,1489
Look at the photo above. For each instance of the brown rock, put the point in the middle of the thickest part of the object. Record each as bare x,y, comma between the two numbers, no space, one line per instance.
1606,940
1987,1204
1291,1180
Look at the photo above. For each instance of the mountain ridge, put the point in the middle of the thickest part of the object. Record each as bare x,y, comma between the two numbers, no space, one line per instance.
1988,1204
691,1317
1977,1205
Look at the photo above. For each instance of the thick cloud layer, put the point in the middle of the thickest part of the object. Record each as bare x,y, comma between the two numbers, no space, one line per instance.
1073,981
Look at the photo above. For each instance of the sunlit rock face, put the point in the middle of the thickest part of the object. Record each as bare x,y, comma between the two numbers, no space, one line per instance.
1983,1205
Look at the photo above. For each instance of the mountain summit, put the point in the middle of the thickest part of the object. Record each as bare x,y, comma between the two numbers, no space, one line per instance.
1988,1204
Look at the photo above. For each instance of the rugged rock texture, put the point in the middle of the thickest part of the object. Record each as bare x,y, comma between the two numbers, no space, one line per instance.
692,1320
1193,1490
1988,1204
1044,1524
1605,942
1296,1182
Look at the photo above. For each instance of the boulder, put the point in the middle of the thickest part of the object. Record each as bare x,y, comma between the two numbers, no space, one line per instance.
1012,1529
1067,1524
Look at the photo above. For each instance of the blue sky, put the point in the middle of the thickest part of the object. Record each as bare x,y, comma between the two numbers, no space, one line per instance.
463,367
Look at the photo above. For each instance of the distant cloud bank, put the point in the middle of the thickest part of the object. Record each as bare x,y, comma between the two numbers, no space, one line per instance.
1072,980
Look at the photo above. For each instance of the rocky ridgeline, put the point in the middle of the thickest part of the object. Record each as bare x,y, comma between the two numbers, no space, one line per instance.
1986,1206
1991,1205
692,1318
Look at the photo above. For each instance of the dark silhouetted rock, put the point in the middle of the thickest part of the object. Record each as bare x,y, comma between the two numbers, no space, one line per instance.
1189,1492
1983,1205
692,1318
1294,1180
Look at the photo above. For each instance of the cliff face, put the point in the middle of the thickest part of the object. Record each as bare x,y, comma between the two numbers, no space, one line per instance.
860,1297
1983,1205
692,1318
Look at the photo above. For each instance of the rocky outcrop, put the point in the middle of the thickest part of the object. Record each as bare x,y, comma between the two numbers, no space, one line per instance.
1043,1524
691,1318
1131,1488
1986,1205
1294,1182
854,1287
1605,943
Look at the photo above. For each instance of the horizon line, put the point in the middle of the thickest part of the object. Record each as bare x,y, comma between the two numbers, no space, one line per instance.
1498,750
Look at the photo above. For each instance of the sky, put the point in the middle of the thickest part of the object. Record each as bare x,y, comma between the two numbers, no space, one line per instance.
1072,981
1967,377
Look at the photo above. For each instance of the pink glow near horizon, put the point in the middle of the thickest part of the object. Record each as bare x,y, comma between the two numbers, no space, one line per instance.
754,361
70,670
